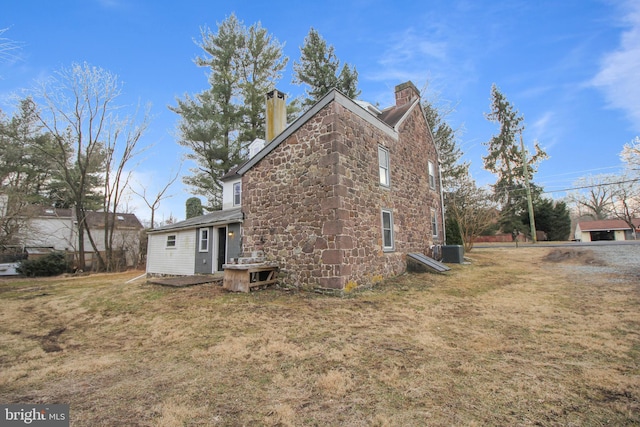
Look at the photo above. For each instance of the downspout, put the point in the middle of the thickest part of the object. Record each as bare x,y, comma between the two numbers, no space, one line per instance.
444,227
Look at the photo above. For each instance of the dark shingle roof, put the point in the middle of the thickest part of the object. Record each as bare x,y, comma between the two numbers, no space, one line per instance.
94,219
123,220
232,172
226,216
392,115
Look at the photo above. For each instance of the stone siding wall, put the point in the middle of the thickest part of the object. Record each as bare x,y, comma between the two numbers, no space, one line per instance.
314,203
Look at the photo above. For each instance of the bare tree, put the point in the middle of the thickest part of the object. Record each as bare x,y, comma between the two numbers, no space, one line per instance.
473,209
121,147
593,196
626,192
92,144
631,155
626,200
154,203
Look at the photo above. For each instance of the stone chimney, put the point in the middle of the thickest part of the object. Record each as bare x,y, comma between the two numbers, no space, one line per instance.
406,93
276,114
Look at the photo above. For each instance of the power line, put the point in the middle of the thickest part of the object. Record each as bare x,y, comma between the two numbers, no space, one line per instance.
521,190
593,185
579,172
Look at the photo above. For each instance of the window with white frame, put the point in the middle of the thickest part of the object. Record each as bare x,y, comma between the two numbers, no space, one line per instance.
434,223
383,163
387,230
432,176
237,190
171,241
204,240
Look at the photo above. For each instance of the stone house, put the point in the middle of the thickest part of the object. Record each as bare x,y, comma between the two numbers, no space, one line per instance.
337,198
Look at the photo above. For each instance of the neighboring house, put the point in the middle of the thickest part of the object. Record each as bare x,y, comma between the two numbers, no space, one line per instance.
338,197
606,229
51,228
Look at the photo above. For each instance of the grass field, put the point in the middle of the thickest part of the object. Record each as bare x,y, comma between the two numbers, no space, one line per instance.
514,338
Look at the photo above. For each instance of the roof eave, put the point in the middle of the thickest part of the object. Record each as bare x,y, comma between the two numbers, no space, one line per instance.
333,95
235,217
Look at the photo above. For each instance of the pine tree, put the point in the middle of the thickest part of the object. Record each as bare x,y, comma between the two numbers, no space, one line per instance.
261,65
453,172
193,207
348,81
318,69
505,159
449,153
217,124
24,170
552,217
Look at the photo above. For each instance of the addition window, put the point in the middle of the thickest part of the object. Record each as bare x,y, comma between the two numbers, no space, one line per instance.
171,241
204,240
432,176
237,190
383,163
434,223
387,231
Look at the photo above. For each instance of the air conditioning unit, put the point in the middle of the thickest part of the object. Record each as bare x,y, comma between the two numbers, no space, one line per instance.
453,254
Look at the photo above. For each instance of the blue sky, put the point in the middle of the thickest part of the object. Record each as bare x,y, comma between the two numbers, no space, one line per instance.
571,68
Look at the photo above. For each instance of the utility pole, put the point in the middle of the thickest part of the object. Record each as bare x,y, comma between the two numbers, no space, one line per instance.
525,170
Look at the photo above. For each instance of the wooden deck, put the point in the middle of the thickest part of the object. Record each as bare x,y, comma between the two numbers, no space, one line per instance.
184,281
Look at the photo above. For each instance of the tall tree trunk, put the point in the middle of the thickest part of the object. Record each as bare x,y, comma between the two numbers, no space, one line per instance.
80,221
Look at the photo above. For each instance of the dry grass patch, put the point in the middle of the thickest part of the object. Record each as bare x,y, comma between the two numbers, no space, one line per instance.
512,339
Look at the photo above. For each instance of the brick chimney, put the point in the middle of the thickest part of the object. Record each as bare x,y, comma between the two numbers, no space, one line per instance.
276,114
406,93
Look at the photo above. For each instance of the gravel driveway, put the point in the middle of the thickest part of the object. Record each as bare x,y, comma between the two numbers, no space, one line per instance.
621,258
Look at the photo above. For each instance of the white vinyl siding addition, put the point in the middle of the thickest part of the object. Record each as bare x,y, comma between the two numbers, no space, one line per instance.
178,260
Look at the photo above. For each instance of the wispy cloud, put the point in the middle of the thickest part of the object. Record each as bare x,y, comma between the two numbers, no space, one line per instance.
410,46
541,124
619,74
430,55
407,54
543,130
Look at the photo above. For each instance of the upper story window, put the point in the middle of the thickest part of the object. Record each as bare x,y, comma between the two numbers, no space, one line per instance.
387,231
204,240
432,176
383,163
171,241
237,191
434,223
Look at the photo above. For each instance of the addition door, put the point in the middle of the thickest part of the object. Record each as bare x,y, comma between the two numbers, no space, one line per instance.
222,247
